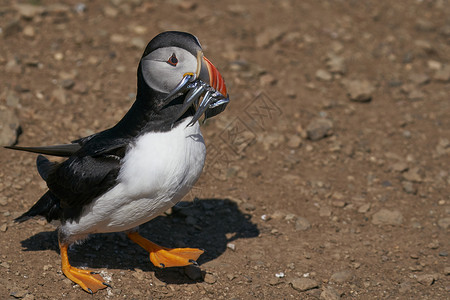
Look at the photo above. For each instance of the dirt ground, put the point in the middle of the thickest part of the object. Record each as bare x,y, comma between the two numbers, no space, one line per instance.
327,177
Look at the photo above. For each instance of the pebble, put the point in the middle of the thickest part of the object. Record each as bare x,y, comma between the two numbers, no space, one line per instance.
443,74
210,278
302,224
319,128
447,271
364,208
294,142
28,31
399,166
19,293
329,293
231,246
268,36
193,272
139,274
419,78
323,75
267,80
29,11
409,187
413,174
426,279
303,284
444,223
342,276
324,211
359,90
9,127
3,227
387,217
336,64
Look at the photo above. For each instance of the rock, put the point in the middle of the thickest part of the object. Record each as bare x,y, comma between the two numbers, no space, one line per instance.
400,167
210,278
193,272
187,5
359,90
413,174
3,227
329,293
325,211
444,223
419,78
424,25
9,127
29,11
447,271
323,75
319,128
302,224
342,276
19,293
139,274
294,142
387,217
426,279
442,74
335,64
268,36
231,246
267,79
67,83
303,284
409,187
28,31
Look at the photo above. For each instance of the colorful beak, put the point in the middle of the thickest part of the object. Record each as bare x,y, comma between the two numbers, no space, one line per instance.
215,79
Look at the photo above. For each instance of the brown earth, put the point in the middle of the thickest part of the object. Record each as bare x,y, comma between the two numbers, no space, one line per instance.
304,189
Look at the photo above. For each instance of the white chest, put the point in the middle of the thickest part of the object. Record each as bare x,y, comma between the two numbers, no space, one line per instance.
156,173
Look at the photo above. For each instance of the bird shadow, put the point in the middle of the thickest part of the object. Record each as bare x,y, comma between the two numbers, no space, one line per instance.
208,224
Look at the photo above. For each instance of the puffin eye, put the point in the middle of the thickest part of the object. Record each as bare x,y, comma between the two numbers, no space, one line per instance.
173,60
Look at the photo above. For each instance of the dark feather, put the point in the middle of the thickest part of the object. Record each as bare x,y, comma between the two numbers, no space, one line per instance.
47,206
65,150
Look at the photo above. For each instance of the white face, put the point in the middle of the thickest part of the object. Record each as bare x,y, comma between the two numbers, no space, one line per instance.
164,68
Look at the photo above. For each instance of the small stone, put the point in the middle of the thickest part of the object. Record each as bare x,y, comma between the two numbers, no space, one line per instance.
325,211
294,142
364,208
409,187
19,293
400,166
444,223
58,56
387,217
28,297
193,272
28,31
138,43
5,265
434,65
67,83
110,11
187,5
342,276
268,36
9,127
139,274
319,128
338,203
29,11
267,79
419,78
416,95
329,293
413,174
210,278
425,279
443,74
335,64
359,90
447,271
303,284
323,75
302,224
231,246
424,25
3,227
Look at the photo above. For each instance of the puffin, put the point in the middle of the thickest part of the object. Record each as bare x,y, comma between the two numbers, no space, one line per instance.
124,176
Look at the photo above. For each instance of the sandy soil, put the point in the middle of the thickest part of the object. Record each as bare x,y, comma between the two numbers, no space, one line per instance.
327,177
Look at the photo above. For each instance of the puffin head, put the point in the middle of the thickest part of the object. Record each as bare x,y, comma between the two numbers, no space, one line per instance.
173,66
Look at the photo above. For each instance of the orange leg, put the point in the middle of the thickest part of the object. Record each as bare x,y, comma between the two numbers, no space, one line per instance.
91,282
166,257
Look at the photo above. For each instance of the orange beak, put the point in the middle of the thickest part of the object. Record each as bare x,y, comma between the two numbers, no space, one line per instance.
215,79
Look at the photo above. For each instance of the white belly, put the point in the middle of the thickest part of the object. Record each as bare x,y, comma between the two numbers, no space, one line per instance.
157,172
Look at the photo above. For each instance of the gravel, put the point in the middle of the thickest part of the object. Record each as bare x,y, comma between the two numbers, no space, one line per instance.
387,217
303,284
319,128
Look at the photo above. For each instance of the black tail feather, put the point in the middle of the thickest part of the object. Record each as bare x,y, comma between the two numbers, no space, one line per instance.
48,207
